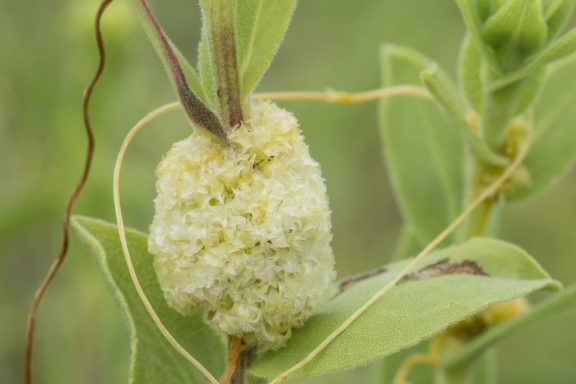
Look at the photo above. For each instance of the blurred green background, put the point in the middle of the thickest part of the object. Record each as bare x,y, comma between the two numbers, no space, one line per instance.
47,54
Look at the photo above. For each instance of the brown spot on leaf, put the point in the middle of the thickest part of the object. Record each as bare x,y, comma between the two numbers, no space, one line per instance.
352,280
446,267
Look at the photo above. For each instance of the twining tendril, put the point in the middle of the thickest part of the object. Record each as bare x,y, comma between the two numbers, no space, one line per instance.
55,267
122,233
339,97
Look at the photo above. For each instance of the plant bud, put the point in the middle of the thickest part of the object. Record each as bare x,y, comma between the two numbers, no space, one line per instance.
516,30
241,234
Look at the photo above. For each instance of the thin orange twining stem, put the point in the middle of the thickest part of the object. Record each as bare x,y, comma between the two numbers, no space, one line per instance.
339,97
234,350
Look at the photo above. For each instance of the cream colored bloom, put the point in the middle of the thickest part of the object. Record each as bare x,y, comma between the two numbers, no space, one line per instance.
242,234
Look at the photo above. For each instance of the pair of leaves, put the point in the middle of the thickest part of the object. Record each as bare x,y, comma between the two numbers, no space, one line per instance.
259,27
231,62
413,311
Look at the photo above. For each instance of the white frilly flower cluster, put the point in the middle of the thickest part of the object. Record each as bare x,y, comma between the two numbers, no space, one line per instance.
241,234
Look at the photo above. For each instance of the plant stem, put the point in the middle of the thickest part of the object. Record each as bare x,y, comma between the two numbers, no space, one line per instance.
339,97
220,18
235,348
244,361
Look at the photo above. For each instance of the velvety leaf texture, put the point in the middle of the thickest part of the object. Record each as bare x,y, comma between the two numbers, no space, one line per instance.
261,25
469,71
423,154
485,271
554,142
153,359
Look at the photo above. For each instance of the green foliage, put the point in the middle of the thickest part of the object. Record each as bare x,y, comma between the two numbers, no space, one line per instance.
557,13
156,37
205,71
261,26
154,360
470,70
424,156
446,95
239,41
551,307
561,48
553,149
412,311
515,31
196,111
219,33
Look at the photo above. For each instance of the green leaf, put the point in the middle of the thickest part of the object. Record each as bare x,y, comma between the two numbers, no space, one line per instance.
440,86
553,150
424,156
473,19
561,48
261,26
220,36
153,359
554,306
205,70
422,306
470,74
182,75
515,31
557,13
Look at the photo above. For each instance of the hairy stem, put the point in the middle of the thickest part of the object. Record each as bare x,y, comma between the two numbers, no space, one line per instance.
339,97
235,348
220,18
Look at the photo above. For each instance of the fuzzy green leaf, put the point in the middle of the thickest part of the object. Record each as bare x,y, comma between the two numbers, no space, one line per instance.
205,71
424,156
219,35
153,359
557,13
515,31
261,26
440,86
183,76
561,48
473,18
420,307
554,306
553,150
470,74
